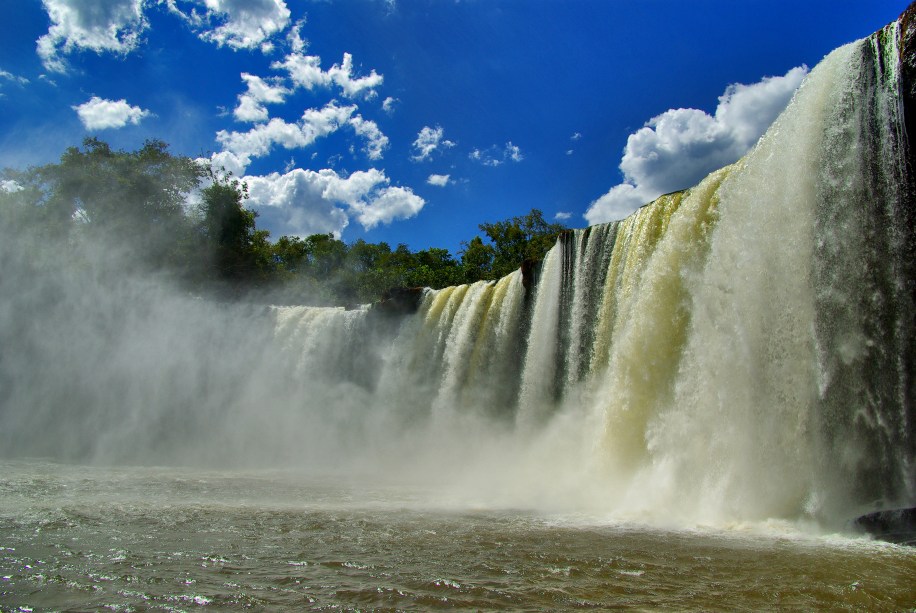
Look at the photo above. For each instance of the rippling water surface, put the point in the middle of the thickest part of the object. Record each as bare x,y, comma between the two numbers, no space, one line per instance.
81,538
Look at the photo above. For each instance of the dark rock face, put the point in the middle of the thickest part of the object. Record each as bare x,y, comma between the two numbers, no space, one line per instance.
895,526
400,301
530,270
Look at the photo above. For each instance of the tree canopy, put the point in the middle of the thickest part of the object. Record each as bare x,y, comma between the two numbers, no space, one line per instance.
172,214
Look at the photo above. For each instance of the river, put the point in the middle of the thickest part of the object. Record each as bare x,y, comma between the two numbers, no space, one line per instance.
78,538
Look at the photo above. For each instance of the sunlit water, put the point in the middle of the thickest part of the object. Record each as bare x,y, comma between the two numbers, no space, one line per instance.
89,538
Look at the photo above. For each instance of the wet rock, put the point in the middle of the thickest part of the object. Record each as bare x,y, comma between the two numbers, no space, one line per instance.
399,301
895,525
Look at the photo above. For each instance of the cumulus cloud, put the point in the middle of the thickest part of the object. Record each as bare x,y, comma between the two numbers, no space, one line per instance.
303,202
240,147
562,216
100,114
259,93
429,140
116,26
439,180
113,26
676,149
617,203
497,156
376,141
294,37
342,75
305,71
238,24
260,140
388,104
389,204
228,161
295,203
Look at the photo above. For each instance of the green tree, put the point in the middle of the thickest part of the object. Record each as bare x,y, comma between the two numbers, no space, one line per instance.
477,260
436,268
528,237
129,206
290,254
326,255
241,252
133,198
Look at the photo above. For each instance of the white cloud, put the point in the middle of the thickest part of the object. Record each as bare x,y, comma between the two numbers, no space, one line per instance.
342,75
294,37
8,76
617,203
439,180
305,71
429,140
389,204
100,114
676,149
228,161
295,203
376,141
562,216
497,156
389,104
576,136
314,124
513,153
238,24
261,139
302,202
113,26
260,92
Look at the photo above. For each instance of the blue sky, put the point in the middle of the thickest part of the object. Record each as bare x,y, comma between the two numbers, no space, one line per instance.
415,121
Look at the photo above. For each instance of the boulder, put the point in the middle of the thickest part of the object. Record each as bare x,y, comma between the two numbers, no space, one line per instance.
895,525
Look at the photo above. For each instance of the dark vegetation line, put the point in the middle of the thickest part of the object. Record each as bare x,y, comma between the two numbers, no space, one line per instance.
118,210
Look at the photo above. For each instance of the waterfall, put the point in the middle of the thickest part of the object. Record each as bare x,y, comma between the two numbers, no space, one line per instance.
742,349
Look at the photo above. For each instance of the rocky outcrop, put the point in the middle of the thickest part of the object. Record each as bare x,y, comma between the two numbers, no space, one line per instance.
399,301
895,526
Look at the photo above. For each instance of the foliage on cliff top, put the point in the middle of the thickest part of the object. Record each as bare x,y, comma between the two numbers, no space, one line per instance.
154,211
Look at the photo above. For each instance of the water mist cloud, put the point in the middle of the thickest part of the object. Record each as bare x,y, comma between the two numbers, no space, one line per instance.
676,149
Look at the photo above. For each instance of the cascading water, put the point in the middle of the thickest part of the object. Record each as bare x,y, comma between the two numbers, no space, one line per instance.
740,350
